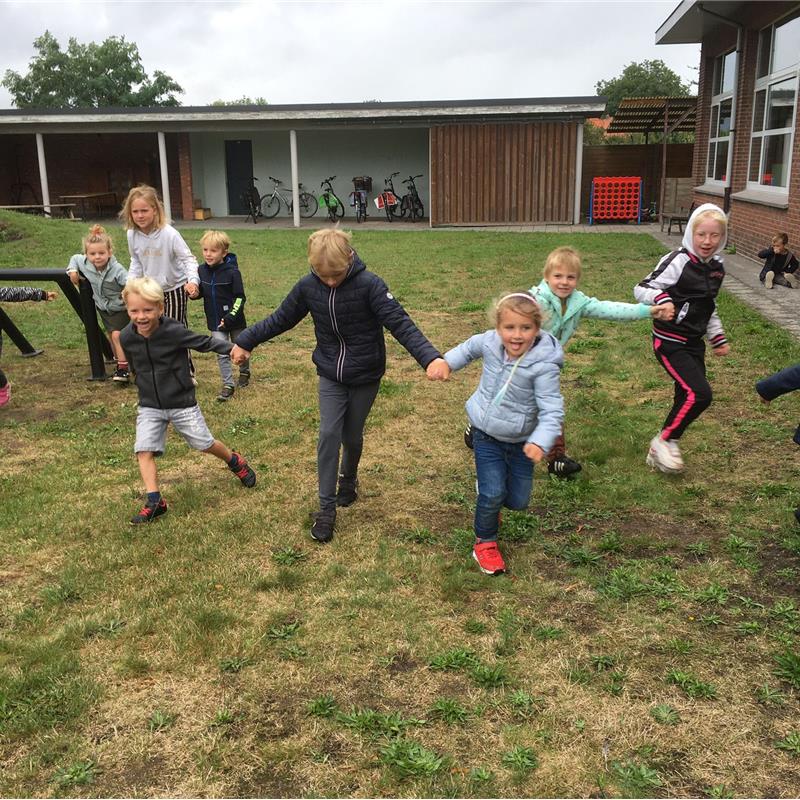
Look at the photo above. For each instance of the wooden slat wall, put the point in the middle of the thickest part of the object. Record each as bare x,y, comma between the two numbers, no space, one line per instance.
522,173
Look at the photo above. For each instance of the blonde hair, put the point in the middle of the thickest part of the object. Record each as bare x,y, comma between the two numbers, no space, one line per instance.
329,251
216,239
711,213
564,257
146,288
522,303
97,235
150,196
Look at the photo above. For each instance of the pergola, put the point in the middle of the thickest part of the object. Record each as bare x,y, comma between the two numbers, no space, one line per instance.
664,115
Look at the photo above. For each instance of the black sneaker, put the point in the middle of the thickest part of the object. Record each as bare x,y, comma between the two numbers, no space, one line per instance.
468,436
244,380
322,527
563,467
243,471
348,491
797,514
121,376
150,512
225,393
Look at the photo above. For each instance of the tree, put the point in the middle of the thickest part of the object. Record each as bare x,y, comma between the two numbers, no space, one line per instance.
644,79
89,76
244,100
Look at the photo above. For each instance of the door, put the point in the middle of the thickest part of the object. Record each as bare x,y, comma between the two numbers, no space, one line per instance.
238,171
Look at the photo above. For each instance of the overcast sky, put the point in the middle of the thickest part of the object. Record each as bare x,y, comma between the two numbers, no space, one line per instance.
348,51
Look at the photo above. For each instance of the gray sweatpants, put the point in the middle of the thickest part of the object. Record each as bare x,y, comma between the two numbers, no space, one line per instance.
224,360
343,411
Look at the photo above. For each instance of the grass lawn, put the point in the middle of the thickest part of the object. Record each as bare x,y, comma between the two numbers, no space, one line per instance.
646,642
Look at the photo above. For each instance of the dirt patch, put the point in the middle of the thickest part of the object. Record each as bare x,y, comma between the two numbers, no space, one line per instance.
9,234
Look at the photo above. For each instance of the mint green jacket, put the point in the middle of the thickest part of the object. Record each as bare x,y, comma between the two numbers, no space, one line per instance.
579,305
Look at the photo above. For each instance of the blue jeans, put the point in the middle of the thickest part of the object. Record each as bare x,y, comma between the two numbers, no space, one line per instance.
505,478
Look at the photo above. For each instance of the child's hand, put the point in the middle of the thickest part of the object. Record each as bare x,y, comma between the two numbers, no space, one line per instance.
534,452
438,370
221,326
192,290
52,295
722,350
239,355
764,400
665,312
75,278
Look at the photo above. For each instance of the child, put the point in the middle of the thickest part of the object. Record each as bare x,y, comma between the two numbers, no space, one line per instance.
158,251
780,266
516,413
107,278
563,307
350,307
223,298
786,380
156,346
17,294
688,280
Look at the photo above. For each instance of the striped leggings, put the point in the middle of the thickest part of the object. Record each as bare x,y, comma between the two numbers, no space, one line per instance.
176,304
685,364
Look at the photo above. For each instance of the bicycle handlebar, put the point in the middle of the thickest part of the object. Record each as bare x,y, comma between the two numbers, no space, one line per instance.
274,179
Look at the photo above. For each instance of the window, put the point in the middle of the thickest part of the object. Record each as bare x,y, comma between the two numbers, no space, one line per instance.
719,155
775,105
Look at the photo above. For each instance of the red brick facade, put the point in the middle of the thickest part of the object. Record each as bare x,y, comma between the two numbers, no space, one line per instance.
752,224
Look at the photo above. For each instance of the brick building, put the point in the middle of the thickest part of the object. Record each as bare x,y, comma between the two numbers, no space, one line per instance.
747,147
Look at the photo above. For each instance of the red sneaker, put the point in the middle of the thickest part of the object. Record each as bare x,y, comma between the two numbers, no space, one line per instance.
150,512
488,557
243,471
5,394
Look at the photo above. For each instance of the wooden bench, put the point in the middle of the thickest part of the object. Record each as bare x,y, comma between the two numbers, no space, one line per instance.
41,208
680,219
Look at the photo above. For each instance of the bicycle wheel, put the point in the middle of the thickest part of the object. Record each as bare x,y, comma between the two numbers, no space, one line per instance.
308,204
361,211
404,205
270,206
417,209
338,208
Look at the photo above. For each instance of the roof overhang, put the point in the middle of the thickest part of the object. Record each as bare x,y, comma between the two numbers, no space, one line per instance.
649,115
284,117
690,24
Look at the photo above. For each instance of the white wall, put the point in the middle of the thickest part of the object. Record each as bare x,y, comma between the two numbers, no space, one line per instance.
344,153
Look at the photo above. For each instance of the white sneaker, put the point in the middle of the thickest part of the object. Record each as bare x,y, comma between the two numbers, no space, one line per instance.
769,279
664,456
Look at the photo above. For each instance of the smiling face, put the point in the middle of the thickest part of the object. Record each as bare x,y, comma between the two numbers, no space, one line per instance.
143,215
214,254
706,237
145,314
562,281
99,255
516,331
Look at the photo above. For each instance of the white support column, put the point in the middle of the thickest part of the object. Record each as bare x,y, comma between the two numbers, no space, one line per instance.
295,188
162,159
43,174
576,216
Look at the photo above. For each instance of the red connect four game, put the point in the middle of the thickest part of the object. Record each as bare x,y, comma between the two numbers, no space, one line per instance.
616,199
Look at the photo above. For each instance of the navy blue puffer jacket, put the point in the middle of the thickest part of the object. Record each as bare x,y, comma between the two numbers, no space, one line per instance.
348,323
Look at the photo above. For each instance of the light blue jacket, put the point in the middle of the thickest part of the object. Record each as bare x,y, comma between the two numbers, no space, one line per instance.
530,407
107,284
579,305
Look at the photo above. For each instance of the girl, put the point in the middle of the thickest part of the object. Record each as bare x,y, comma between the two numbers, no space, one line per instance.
688,280
516,413
107,278
17,294
158,251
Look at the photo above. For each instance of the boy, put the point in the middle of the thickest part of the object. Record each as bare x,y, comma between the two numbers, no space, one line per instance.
350,307
223,296
157,348
780,266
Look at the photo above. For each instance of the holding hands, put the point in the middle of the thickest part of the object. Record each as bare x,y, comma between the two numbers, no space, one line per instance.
192,289
438,370
238,355
665,311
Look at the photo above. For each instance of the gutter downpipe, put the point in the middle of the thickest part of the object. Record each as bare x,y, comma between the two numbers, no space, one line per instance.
43,175
295,187
576,215
162,161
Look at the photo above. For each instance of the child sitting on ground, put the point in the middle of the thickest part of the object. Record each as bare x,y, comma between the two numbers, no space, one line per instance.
350,306
516,413
157,347
780,266
688,280
17,294
107,278
223,296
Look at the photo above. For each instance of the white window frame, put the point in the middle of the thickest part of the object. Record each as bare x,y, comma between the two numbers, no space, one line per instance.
714,139
763,84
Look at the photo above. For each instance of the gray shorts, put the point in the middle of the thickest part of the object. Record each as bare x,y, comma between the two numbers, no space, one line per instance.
114,320
151,428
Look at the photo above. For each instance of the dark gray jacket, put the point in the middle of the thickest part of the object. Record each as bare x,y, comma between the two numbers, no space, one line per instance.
162,364
348,323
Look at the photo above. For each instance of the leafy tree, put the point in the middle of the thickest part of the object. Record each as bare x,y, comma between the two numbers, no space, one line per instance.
89,76
643,79
244,100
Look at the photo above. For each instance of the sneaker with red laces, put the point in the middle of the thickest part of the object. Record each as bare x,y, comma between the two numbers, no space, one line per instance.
488,557
5,394
243,471
150,512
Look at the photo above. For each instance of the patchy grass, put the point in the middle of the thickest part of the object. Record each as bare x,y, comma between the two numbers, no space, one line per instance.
645,644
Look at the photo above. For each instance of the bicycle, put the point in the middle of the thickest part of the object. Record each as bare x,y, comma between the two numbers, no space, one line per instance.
330,201
389,200
271,203
251,198
358,197
411,204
